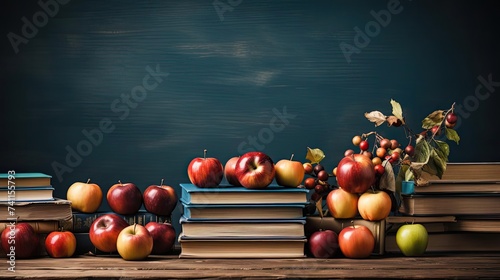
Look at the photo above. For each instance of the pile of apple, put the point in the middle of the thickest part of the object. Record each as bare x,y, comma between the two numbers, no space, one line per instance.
252,170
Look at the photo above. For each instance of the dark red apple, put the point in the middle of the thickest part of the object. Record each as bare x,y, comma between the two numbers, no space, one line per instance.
163,237
205,172
160,199
124,199
104,231
323,244
20,241
356,241
229,173
255,170
355,173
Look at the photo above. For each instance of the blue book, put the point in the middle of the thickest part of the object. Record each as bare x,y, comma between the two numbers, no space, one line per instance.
265,228
273,194
8,194
242,211
24,180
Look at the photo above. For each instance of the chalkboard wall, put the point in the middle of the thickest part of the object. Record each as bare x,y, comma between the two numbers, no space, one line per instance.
133,90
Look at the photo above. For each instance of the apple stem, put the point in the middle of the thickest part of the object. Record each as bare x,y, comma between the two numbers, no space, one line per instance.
161,184
135,224
291,157
205,153
119,181
88,180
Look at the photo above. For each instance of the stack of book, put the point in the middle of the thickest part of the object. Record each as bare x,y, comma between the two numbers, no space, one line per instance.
28,197
236,222
461,211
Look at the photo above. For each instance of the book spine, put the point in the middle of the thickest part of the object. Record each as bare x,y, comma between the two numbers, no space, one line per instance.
83,221
40,226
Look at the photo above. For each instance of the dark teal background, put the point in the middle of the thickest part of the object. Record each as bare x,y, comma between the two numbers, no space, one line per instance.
227,77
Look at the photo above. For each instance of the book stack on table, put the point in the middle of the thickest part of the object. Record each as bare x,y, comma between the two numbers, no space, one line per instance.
236,222
28,197
461,211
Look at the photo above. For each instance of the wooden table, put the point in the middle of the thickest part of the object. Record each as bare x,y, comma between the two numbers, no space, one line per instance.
456,266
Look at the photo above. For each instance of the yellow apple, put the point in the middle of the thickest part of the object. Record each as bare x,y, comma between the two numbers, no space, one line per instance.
289,173
342,204
374,205
84,197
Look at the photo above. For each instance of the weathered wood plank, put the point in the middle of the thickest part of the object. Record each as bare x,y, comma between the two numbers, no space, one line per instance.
432,266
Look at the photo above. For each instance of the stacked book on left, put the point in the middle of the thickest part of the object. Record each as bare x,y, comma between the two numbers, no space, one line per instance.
28,197
236,222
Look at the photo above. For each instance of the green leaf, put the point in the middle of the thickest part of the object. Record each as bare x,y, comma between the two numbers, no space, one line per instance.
437,163
314,155
376,117
396,110
443,148
452,134
433,119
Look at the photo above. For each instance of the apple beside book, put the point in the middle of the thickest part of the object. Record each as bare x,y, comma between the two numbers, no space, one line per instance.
104,231
205,172
160,199
60,244
342,204
289,172
163,237
124,198
323,244
255,170
134,243
374,205
356,241
20,241
84,197
412,239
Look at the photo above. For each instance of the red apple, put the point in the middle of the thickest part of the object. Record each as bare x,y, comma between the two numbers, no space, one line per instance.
323,244
205,172
356,241
60,244
355,173
289,173
374,205
229,173
84,197
105,230
255,170
160,200
342,204
134,243
20,241
163,237
125,199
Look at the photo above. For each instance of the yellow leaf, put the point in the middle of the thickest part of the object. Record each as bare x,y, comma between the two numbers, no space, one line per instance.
396,110
319,206
314,155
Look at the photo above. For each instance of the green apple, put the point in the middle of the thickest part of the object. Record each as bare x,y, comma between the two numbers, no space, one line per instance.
412,239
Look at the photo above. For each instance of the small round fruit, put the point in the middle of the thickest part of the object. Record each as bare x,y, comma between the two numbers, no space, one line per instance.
395,156
379,169
367,154
310,183
319,189
436,130
323,175
308,168
449,125
364,145
348,152
380,152
394,144
356,140
451,118
317,168
385,143
334,171
376,160
410,150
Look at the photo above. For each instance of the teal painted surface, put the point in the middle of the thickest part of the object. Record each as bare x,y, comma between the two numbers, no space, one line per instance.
267,70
